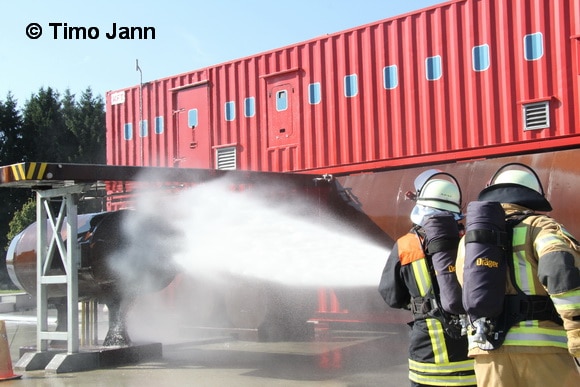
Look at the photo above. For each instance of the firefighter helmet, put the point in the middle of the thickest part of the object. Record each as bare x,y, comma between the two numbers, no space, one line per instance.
524,178
437,189
518,184
440,194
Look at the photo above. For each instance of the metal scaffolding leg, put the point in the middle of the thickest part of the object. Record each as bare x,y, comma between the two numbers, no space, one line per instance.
89,323
49,241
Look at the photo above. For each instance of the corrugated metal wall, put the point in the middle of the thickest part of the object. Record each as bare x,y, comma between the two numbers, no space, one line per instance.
457,79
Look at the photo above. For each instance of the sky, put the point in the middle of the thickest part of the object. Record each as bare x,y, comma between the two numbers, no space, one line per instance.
189,35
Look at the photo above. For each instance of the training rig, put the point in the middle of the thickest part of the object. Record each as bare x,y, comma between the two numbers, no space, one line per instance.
67,184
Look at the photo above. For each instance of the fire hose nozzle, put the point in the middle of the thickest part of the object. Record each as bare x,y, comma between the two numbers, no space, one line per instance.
327,177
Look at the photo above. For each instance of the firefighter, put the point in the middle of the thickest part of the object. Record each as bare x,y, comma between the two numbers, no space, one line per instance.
437,352
543,284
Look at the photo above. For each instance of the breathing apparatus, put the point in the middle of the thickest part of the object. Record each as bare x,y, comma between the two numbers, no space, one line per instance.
437,212
488,250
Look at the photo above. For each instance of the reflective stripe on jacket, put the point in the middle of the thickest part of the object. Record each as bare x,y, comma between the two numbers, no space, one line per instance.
539,253
434,357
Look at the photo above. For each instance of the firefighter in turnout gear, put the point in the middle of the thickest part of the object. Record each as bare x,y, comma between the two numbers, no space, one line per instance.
539,325
438,351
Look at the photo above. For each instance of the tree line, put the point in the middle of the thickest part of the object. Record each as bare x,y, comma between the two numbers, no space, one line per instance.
50,127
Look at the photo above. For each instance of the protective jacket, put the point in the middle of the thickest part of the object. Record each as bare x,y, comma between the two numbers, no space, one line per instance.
434,357
546,263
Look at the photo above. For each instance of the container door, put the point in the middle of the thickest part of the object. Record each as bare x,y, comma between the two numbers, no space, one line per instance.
191,117
282,106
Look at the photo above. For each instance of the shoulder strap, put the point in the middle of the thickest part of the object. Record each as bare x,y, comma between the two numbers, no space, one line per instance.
450,323
522,306
511,222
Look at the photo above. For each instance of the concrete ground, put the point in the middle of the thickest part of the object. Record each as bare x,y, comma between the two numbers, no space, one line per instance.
337,356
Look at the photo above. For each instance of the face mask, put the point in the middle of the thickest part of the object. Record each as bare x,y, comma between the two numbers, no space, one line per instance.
420,213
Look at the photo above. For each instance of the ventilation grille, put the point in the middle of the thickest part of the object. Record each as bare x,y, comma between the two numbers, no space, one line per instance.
536,116
226,158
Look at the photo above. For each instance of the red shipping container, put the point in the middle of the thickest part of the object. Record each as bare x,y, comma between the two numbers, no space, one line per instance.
462,80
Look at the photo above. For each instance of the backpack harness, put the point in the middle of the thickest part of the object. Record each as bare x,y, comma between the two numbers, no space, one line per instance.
430,306
517,307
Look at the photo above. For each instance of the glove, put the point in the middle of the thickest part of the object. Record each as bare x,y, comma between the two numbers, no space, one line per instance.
574,342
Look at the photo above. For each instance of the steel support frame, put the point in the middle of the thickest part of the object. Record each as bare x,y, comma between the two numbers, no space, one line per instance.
50,239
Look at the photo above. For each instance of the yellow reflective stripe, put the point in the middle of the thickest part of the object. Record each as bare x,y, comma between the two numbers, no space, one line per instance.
543,242
20,173
519,236
524,275
438,374
536,336
41,170
39,176
516,262
443,380
30,173
421,274
447,367
437,340
567,301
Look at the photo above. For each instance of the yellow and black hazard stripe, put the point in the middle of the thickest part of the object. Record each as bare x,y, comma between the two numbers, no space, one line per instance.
28,171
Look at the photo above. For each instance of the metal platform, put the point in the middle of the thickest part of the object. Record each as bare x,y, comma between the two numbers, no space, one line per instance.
87,358
66,183
40,175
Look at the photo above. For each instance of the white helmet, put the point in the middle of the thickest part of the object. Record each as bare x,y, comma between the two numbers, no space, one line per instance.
518,184
514,176
440,194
